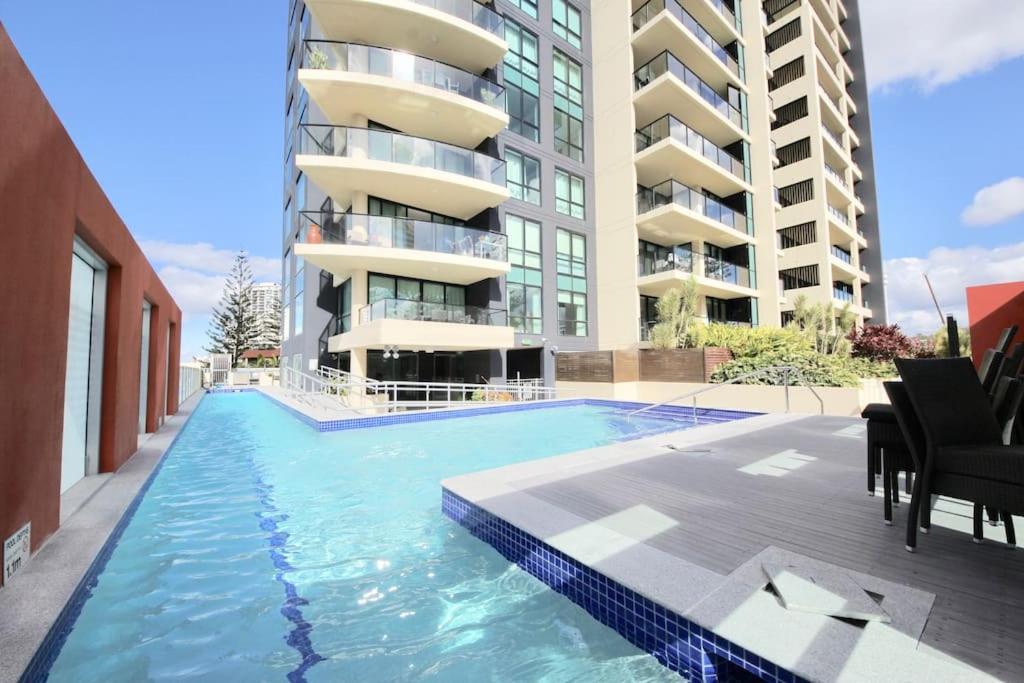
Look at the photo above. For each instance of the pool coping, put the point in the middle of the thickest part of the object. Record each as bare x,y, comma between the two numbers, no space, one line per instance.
41,603
308,414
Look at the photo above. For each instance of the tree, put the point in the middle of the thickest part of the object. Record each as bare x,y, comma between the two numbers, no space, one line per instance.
941,339
677,309
235,327
881,343
828,332
272,325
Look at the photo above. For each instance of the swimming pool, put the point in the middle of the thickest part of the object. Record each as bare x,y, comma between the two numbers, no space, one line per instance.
265,550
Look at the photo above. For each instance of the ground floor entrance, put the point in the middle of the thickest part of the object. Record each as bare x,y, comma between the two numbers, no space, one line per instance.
525,364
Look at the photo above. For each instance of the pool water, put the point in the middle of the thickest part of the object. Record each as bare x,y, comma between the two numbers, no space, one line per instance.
266,551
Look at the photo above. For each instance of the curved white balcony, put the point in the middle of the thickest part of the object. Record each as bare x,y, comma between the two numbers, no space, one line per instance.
460,32
355,83
341,243
413,171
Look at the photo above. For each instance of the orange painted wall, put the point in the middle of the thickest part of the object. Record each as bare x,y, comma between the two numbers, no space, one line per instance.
47,196
990,310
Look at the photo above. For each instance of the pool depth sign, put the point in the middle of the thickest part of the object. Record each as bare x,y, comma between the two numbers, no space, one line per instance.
16,551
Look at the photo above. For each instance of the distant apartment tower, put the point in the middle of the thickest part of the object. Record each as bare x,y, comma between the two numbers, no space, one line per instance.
472,187
266,296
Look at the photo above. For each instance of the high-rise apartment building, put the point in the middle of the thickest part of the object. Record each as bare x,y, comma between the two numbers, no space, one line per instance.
266,296
471,187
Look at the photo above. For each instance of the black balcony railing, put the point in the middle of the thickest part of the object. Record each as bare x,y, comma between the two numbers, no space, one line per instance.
401,66
667,63
380,145
401,233
425,311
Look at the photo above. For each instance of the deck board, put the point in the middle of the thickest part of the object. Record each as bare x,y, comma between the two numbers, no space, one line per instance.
821,510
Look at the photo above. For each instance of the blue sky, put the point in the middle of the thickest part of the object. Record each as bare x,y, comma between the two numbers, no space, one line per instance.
177,108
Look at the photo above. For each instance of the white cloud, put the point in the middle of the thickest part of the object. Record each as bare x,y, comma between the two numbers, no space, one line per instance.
996,203
936,42
951,271
204,257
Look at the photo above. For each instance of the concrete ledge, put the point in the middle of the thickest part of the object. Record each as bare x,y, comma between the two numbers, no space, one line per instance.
46,593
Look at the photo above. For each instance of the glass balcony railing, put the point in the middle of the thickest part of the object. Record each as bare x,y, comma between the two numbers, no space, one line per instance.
654,7
666,261
839,215
725,271
673,192
401,66
827,132
670,127
400,233
468,10
426,311
836,176
842,254
726,12
380,145
666,62
841,294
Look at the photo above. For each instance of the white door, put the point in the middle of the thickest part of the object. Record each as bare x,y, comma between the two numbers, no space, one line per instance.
144,368
76,378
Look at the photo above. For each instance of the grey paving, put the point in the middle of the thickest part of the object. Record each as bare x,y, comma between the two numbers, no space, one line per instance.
33,599
693,526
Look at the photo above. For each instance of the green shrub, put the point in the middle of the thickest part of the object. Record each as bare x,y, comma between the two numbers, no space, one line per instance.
817,369
746,342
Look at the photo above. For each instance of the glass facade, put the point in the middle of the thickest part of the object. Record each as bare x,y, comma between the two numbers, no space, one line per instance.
525,281
571,251
568,84
570,196
522,173
522,85
567,22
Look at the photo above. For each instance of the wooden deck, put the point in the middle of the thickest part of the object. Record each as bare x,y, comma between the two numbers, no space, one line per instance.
799,487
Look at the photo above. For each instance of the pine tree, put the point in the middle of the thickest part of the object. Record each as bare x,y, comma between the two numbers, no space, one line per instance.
272,325
235,327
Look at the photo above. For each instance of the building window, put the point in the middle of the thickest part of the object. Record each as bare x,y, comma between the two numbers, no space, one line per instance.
571,251
569,194
288,216
523,176
528,6
568,82
525,280
567,22
522,87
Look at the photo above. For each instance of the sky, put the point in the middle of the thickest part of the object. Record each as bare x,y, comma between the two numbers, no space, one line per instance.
193,89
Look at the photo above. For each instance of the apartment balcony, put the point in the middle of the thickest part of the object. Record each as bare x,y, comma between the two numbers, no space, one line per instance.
464,33
831,111
352,83
837,188
665,85
841,263
413,171
673,213
426,326
660,23
714,277
341,243
669,148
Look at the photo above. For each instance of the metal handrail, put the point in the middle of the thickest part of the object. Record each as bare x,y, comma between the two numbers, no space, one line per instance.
786,370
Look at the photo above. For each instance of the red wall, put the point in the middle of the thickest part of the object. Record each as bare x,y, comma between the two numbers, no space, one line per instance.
47,196
990,310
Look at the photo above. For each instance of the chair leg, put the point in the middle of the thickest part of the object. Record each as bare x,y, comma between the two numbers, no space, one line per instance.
910,481
872,467
912,513
895,486
1011,536
925,504
886,487
993,516
979,533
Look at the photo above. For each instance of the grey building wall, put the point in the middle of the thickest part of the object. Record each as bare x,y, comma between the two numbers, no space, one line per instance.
306,344
865,158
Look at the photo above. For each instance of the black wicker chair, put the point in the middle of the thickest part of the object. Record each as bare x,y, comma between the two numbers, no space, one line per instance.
957,441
